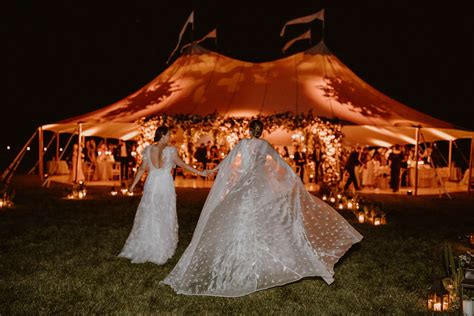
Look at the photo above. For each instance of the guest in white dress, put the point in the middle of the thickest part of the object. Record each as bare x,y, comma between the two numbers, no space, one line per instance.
154,235
369,173
260,228
77,174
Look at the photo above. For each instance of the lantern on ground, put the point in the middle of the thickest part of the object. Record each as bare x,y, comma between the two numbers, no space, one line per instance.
361,217
332,199
438,298
325,197
349,205
81,191
114,191
377,221
341,206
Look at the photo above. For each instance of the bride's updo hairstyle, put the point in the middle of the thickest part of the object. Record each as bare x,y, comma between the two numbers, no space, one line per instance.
256,128
160,132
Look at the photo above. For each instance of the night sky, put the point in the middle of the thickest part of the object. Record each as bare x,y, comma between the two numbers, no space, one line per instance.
62,60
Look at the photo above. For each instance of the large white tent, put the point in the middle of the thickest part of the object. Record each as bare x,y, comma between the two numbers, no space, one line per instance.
202,82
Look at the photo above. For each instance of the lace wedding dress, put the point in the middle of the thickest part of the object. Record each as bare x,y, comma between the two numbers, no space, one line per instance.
260,228
154,235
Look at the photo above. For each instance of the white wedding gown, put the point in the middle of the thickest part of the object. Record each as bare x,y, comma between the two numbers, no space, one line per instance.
154,235
260,228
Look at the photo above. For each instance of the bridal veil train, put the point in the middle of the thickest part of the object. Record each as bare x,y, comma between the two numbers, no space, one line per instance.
260,228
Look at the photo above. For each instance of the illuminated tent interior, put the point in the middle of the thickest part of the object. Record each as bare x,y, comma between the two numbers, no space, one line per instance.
202,82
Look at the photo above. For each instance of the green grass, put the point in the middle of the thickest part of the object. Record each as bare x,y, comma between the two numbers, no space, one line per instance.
60,256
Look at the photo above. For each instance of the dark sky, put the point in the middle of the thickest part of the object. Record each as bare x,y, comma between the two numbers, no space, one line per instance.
62,60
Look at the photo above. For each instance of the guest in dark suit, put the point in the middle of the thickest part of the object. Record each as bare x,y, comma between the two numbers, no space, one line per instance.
317,157
352,162
395,162
300,160
201,155
123,155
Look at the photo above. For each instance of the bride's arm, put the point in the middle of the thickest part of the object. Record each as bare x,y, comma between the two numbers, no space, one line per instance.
138,176
177,161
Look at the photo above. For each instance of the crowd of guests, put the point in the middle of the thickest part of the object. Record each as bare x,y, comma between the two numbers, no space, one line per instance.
207,155
365,167
300,159
360,167
98,156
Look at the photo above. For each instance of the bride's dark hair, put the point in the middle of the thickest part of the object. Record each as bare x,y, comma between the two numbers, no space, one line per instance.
256,127
160,132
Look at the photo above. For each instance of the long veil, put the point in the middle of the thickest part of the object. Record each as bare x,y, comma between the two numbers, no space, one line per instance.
260,228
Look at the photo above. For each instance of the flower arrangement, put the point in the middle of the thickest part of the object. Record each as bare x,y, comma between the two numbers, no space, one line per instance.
455,273
466,260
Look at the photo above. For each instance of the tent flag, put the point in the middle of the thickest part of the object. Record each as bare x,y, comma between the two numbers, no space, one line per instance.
211,34
305,35
189,20
305,19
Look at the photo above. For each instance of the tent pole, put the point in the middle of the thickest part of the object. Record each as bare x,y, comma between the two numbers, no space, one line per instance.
470,166
40,154
417,140
450,158
57,146
78,159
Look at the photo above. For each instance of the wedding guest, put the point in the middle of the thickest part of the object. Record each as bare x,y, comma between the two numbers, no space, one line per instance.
316,156
352,163
201,155
368,175
77,174
394,161
91,150
123,156
101,151
286,153
300,160
214,155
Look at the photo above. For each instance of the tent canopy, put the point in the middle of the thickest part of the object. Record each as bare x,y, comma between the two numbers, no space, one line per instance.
204,82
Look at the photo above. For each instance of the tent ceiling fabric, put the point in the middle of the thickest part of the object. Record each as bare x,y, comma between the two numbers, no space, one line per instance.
203,82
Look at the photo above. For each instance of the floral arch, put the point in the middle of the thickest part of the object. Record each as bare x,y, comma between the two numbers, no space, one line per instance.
306,130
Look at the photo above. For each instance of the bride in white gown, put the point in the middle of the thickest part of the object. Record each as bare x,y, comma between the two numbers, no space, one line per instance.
154,235
259,228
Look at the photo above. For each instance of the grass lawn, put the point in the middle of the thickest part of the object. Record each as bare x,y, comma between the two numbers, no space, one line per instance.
60,256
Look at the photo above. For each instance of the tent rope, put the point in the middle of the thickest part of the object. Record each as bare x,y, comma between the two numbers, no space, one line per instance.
44,152
14,164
